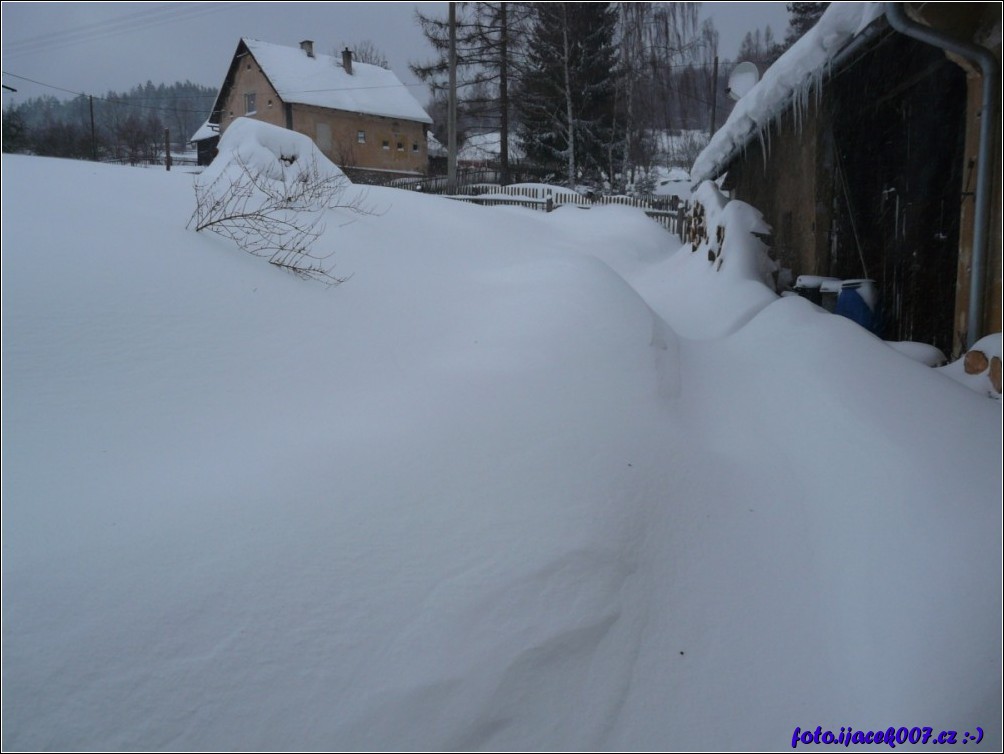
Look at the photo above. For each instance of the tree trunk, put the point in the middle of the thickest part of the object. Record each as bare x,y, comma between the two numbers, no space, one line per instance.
504,92
569,114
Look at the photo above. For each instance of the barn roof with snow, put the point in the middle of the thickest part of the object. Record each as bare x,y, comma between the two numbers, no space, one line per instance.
322,81
789,81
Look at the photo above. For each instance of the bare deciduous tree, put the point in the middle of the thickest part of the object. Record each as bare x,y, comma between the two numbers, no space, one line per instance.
367,52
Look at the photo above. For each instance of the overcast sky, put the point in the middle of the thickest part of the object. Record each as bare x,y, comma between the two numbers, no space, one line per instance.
97,47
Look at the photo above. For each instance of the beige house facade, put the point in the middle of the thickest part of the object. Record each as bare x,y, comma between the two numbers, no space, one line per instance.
360,116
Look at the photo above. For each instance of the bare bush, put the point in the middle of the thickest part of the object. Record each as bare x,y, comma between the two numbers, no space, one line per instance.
278,215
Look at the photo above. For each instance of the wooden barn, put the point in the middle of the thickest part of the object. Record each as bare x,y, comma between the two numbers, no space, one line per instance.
862,146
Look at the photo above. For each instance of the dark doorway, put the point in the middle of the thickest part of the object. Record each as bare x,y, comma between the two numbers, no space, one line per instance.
898,135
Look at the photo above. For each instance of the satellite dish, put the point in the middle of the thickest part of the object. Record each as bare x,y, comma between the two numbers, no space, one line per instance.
743,78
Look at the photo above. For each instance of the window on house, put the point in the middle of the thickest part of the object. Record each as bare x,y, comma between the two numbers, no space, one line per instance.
400,147
361,137
414,147
270,103
249,104
386,144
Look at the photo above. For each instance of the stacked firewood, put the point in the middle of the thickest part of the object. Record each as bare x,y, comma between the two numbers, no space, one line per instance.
977,362
698,232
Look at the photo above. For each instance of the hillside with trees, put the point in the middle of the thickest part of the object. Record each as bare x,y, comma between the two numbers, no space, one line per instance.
117,127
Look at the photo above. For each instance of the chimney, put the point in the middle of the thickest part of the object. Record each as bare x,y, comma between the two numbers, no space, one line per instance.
347,60
307,46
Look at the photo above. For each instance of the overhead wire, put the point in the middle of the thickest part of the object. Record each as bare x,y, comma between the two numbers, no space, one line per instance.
96,31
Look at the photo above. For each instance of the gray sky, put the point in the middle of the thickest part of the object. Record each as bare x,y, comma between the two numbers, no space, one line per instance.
97,47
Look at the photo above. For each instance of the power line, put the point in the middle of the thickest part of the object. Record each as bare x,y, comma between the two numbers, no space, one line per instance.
128,23
120,103
61,36
209,96
42,83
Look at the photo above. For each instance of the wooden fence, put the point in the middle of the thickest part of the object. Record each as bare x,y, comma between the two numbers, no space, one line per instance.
669,211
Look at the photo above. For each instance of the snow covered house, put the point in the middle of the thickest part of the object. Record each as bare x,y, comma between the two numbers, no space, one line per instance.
862,147
360,116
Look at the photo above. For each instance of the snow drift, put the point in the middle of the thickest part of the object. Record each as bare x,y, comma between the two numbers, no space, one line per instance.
480,496
268,190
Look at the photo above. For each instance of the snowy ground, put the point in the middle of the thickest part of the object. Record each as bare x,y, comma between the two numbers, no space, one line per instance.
526,480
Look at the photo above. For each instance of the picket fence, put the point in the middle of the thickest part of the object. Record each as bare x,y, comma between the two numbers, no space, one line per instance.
669,211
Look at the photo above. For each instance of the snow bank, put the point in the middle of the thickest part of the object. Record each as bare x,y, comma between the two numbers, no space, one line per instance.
722,277
788,82
482,496
923,353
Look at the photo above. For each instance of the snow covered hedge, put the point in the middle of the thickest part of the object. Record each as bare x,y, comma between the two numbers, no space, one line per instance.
268,191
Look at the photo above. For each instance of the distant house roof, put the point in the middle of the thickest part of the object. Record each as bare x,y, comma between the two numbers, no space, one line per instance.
788,82
486,147
321,81
206,131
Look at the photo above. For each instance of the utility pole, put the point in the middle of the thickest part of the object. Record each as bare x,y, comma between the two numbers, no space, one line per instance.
714,97
451,145
167,148
94,142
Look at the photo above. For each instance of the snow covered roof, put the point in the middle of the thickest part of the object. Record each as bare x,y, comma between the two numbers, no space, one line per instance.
433,145
488,146
206,131
322,81
789,80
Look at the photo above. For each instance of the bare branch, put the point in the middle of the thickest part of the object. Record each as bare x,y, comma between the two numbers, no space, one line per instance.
279,217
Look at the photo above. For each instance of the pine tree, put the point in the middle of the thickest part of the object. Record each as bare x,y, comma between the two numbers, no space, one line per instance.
802,16
566,104
489,39
760,48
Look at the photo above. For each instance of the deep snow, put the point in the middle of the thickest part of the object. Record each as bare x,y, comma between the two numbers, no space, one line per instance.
527,480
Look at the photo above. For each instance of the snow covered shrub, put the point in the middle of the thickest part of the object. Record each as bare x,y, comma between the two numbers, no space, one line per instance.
645,183
268,191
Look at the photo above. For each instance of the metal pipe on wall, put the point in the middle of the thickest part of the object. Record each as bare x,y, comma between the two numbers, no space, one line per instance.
898,20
